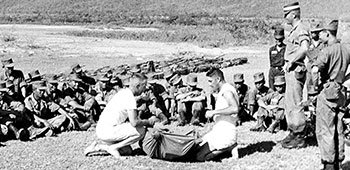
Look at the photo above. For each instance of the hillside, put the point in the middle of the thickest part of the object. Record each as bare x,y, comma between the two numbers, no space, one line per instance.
87,11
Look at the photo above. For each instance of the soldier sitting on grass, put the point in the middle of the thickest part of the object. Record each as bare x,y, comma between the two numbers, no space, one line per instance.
12,115
256,93
83,103
169,101
271,107
242,91
47,114
191,102
119,125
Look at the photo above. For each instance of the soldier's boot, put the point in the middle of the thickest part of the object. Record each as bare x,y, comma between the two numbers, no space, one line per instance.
273,126
21,134
259,127
164,120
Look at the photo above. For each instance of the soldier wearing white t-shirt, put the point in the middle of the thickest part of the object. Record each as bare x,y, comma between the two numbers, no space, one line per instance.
223,136
119,125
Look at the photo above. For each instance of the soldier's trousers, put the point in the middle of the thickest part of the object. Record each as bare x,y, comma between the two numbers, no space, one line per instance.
329,129
294,111
190,111
273,72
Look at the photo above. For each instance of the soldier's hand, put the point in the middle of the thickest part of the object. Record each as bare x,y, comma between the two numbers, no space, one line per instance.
49,125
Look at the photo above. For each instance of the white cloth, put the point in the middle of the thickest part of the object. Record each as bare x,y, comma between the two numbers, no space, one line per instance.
223,134
115,113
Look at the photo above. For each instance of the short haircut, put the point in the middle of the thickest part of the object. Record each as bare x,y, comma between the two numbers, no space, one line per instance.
215,72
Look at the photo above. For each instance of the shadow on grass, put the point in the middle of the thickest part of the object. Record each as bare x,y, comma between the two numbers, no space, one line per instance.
265,146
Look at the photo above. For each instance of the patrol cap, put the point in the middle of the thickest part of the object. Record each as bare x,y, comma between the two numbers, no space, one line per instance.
33,75
258,77
238,78
291,7
279,80
192,80
9,83
3,87
279,33
7,62
316,26
41,85
76,68
53,80
135,69
332,26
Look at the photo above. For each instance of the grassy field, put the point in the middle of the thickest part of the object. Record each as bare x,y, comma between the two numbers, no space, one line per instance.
136,11
257,151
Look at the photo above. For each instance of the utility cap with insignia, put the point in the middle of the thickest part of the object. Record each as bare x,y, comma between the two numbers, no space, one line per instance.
7,62
291,7
238,78
279,80
258,77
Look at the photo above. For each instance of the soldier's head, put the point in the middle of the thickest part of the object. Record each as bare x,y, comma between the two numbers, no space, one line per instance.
259,80
138,83
329,32
192,80
238,79
279,36
116,83
280,84
104,82
291,12
39,89
8,65
215,78
315,30
75,81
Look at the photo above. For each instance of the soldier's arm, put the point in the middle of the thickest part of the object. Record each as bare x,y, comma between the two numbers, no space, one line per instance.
136,122
263,102
301,52
199,98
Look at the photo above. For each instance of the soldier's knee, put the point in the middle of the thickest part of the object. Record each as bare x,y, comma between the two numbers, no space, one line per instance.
181,107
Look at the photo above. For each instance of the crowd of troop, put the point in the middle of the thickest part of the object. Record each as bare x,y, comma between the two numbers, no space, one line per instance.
120,107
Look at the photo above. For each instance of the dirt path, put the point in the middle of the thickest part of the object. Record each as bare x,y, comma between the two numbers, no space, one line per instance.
50,50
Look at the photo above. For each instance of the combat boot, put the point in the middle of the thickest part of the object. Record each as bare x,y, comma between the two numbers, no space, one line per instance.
259,127
20,134
297,142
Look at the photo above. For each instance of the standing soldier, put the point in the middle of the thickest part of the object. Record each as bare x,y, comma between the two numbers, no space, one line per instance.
276,53
16,76
315,49
298,41
256,93
332,65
